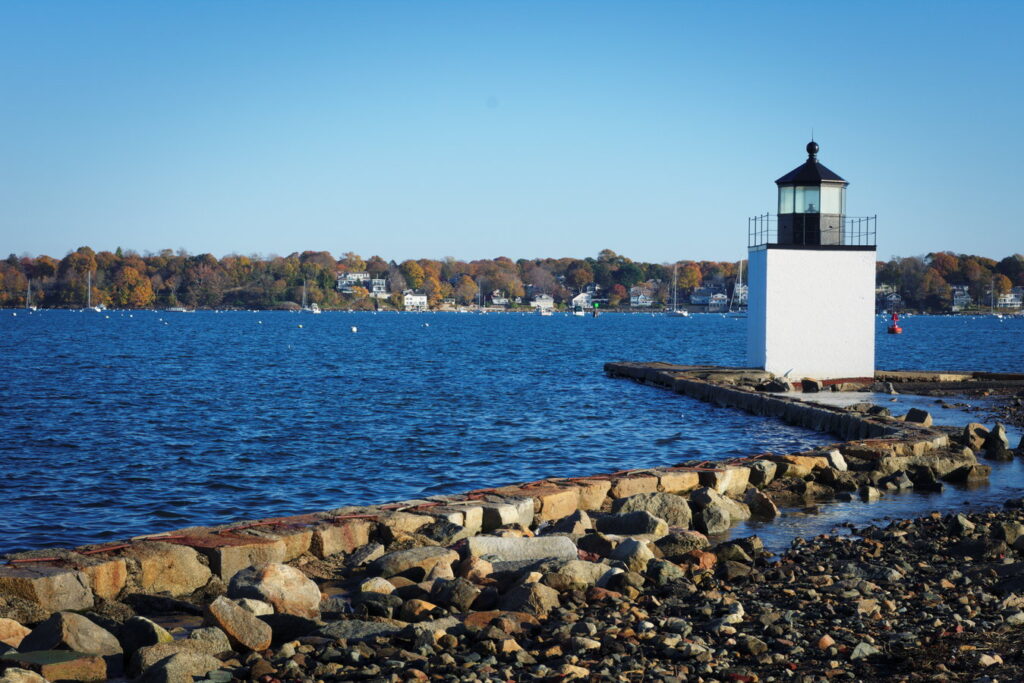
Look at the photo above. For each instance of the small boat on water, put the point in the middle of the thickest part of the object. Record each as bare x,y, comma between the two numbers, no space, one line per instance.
676,312
894,325
88,297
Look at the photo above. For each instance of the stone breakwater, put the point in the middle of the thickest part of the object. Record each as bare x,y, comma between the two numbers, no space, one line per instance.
608,576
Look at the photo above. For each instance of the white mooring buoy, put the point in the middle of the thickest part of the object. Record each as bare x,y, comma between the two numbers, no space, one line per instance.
355,329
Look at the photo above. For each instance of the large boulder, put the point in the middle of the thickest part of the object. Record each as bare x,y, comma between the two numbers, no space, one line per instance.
52,588
634,554
70,631
996,445
242,628
181,667
139,632
12,633
635,523
514,549
974,435
577,575
708,497
287,589
532,598
355,630
667,506
678,544
415,563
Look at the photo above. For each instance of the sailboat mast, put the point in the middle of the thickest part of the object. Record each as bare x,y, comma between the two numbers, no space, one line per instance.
88,291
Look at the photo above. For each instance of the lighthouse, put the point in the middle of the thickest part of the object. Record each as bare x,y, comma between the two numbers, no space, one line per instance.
811,280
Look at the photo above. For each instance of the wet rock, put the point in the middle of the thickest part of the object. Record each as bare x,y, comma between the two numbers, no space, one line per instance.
285,588
918,416
896,482
667,506
712,520
974,435
762,472
969,474
532,598
242,628
496,549
70,631
415,563
996,445
761,504
632,524
870,493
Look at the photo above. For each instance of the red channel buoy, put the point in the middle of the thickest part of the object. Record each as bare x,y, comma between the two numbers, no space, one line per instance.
894,326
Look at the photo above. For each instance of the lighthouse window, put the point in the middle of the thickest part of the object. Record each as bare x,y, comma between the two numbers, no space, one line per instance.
807,200
831,199
785,200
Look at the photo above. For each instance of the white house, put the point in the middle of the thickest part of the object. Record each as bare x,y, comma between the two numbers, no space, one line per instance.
701,296
543,302
498,298
346,281
1012,299
740,293
414,301
961,298
583,300
640,298
378,288
718,303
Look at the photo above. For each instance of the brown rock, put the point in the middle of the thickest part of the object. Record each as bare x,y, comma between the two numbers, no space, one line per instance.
825,642
16,675
475,569
287,589
51,588
415,563
107,577
12,633
555,502
242,628
678,481
416,610
182,667
82,668
533,598
70,631
342,536
168,568
592,492
974,435
630,485
477,621
228,554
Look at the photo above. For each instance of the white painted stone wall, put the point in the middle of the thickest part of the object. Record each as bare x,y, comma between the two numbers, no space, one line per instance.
811,313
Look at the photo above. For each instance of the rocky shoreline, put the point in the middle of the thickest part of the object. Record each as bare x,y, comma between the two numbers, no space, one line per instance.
614,577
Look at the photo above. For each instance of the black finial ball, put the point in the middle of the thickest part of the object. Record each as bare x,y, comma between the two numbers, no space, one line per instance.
812,148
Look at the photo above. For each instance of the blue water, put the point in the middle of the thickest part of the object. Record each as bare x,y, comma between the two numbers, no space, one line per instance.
125,423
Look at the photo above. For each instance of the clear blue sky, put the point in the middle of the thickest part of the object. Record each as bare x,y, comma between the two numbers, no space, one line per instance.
479,129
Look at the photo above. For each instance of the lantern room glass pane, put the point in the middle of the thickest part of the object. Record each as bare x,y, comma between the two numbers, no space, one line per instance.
831,199
785,200
807,199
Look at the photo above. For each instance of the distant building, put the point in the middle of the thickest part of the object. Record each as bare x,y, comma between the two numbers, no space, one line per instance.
583,300
740,294
543,302
961,298
893,301
1012,299
414,301
378,288
346,281
718,303
498,298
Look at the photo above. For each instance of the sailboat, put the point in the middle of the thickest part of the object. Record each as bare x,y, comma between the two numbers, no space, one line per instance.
315,308
88,299
676,312
735,311
28,297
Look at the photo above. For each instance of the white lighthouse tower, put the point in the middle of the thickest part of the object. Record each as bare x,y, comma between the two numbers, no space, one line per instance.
812,281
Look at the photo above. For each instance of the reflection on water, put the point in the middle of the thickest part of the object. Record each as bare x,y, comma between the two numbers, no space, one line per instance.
125,423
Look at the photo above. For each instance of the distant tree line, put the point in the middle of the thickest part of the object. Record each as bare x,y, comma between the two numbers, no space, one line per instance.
926,282
126,279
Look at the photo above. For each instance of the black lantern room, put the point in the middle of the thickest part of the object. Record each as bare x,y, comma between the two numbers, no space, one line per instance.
812,204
